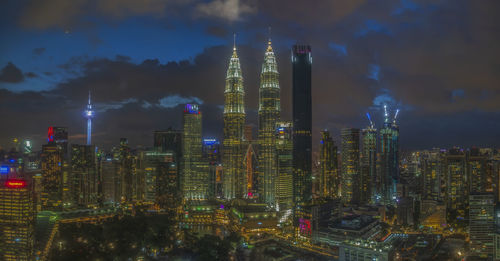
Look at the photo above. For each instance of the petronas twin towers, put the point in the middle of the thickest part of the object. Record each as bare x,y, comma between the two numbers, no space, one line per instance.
234,175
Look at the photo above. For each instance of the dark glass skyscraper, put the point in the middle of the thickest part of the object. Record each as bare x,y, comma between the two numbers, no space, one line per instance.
302,122
389,158
83,175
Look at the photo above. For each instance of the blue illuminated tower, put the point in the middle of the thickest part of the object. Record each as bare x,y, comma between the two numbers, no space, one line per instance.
89,114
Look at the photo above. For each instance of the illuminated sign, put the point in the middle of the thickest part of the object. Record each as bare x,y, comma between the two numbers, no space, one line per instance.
191,109
15,183
210,141
50,134
305,226
4,170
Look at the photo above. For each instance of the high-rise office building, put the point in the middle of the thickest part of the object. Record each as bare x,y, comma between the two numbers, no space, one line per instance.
108,174
212,156
194,176
482,224
476,171
169,140
432,175
328,178
52,160
84,176
269,114
457,188
126,174
302,123
370,186
284,153
58,136
389,158
17,220
235,183
149,162
167,184
350,165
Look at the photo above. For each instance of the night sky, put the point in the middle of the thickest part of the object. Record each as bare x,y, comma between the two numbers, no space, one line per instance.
436,60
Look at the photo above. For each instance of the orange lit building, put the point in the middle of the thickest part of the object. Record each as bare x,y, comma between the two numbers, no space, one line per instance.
17,218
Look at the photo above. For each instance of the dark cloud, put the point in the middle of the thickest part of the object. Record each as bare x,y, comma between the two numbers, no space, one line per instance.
38,51
11,74
31,75
436,60
219,31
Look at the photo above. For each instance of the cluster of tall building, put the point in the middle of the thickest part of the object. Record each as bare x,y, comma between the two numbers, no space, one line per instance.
368,172
276,169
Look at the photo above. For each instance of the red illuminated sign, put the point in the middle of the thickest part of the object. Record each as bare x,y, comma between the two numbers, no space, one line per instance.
15,183
50,134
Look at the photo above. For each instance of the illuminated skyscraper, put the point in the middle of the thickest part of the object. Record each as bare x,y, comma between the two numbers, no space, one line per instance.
17,220
269,114
126,174
235,183
58,136
211,155
482,224
89,114
52,177
457,188
432,174
389,158
476,171
370,186
194,176
284,153
302,123
84,176
350,166
328,178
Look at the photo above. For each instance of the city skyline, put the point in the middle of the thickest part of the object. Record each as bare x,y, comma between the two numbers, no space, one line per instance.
346,68
355,130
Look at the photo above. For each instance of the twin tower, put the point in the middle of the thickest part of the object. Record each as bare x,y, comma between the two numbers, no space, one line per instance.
235,177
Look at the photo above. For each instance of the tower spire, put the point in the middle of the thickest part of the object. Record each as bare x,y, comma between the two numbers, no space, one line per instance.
269,47
235,55
89,114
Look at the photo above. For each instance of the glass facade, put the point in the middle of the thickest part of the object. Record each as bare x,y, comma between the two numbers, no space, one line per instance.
350,165
328,178
195,171
269,114
234,183
17,220
284,180
302,122
369,189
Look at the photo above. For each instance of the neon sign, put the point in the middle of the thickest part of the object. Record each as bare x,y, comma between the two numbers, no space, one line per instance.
15,183
50,134
210,141
4,170
191,109
305,226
